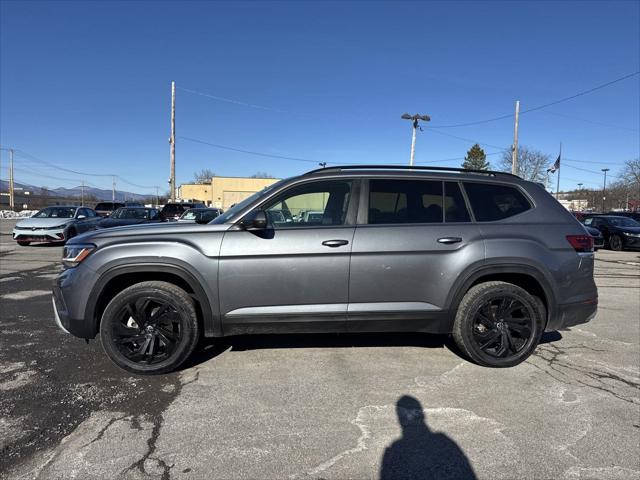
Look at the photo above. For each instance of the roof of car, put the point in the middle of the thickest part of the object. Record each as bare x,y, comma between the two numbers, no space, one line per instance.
412,171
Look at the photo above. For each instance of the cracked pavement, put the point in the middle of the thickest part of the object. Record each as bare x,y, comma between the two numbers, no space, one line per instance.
319,406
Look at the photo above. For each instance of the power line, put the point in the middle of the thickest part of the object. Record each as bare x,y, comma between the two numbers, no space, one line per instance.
539,107
260,154
468,140
233,101
24,154
571,117
28,156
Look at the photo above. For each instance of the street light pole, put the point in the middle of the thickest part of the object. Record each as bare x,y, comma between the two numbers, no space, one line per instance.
415,118
172,141
604,188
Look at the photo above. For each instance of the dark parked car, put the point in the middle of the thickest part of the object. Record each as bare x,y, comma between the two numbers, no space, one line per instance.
104,209
618,232
633,215
173,211
200,215
598,239
55,224
486,256
132,216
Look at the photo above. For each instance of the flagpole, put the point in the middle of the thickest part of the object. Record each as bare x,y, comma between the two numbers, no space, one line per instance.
558,184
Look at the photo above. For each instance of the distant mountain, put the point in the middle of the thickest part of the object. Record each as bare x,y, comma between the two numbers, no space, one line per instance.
99,193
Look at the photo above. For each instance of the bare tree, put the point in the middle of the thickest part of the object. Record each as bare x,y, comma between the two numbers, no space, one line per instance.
261,175
532,164
631,172
203,176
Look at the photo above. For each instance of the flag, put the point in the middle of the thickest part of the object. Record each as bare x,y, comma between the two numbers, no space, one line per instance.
555,166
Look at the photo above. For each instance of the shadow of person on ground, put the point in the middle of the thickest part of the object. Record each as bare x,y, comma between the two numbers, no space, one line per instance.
421,453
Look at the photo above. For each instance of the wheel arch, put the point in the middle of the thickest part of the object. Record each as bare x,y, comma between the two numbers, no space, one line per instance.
528,277
117,278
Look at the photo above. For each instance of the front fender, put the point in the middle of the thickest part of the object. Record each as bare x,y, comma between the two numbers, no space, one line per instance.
197,270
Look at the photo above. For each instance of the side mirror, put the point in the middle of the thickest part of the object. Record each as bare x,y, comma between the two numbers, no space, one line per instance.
81,217
256,220
202,220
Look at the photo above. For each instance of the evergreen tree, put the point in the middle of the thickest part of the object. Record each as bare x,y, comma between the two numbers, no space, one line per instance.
476,159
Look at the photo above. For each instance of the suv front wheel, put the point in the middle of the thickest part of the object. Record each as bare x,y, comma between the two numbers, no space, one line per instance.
150,328
498,324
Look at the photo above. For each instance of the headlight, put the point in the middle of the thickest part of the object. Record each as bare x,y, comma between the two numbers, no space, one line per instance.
72,255
58,227
629,234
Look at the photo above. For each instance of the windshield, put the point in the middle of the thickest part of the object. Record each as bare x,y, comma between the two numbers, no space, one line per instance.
189,215
238,207
623,222
56,212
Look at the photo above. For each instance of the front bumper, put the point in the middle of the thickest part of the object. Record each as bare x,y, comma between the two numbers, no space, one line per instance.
630,241
69,301
571,314
38,235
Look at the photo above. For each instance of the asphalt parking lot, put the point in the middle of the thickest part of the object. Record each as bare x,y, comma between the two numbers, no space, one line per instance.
318,406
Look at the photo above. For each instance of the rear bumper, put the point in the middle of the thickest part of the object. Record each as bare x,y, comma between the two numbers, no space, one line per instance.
571,314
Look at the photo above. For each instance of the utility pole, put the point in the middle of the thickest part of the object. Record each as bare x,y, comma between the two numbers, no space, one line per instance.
172,141
157,198
604,188
558,180
82,195
11,197
415,118
514,151
113,188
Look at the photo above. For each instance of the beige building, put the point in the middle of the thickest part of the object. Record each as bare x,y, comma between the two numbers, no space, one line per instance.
223,192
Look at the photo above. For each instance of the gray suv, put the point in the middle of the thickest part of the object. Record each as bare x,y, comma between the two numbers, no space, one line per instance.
485,256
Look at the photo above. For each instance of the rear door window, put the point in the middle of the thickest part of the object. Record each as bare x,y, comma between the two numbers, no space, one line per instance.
491,202
455,208
405,201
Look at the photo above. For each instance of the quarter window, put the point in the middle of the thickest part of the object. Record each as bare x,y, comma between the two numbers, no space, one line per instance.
315,204
492,202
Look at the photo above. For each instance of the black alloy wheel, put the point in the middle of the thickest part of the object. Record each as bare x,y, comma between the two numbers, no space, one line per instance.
147,330
150,328
502,326
498,324
615,243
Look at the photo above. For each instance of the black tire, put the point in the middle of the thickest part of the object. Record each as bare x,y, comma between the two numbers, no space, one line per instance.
615,243
23,243
150,328
498,324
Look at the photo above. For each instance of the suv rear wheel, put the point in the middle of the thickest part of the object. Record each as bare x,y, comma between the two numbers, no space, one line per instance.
150,328
498,324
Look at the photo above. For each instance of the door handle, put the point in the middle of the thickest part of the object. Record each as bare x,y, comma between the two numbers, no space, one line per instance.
448,240
335,243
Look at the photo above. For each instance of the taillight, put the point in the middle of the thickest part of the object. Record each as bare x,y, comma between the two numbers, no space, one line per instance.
581,243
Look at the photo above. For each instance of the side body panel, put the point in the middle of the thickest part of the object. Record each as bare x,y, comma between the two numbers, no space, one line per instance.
284,277
402,272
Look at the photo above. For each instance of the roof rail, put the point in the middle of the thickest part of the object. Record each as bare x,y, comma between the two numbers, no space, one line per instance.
407,167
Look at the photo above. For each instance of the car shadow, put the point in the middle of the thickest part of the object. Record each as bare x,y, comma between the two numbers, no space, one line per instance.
421,453
210,348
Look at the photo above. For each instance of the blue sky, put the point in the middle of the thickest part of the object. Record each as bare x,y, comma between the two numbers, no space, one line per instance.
86,85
